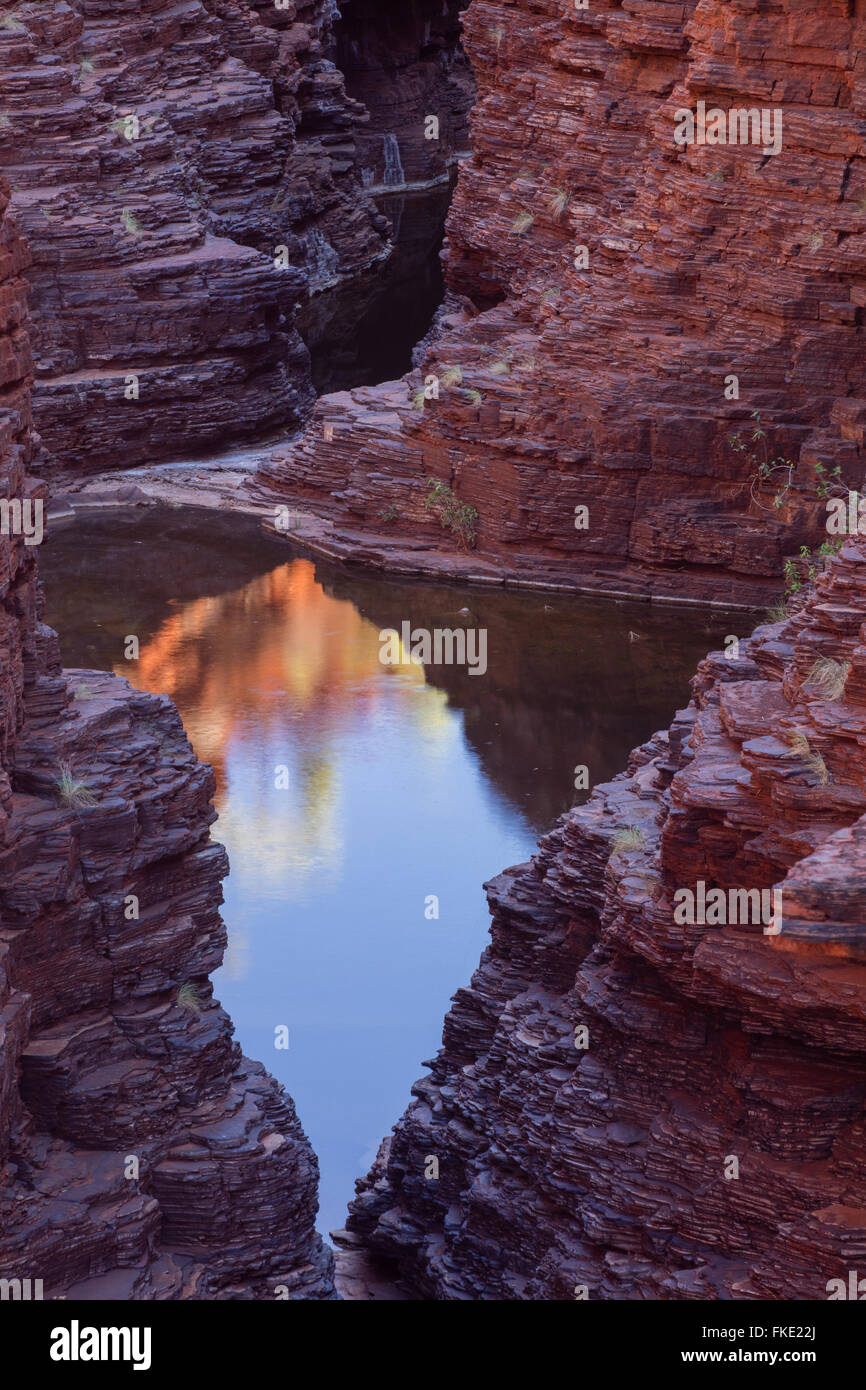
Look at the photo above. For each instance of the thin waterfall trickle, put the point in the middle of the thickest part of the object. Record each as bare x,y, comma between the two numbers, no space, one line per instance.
394,176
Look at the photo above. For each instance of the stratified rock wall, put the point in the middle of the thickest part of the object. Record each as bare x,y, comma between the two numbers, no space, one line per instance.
161,154
705,1137
608,283
141,1156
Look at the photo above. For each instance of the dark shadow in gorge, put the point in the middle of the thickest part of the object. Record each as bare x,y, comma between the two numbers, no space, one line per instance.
403,60
362,331
566,682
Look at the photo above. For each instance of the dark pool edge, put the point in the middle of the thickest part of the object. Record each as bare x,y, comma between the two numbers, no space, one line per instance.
373,553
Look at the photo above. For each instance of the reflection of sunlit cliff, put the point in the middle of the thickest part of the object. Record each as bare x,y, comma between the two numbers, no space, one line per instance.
277,673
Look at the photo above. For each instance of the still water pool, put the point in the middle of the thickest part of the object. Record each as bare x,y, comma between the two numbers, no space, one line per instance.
404,782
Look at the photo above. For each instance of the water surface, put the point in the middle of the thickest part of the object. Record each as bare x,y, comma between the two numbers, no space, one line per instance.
403,783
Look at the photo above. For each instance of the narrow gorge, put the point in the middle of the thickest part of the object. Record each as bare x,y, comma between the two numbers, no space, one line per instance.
329,331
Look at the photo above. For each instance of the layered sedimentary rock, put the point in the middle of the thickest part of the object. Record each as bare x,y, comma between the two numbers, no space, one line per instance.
185,175
634,1100
404,62
607,285
141,1156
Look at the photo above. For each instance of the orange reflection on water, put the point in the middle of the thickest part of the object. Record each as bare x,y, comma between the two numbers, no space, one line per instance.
275,673
280,641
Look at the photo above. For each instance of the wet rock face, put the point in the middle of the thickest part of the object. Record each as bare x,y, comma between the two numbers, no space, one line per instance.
161,155
611,283
141,1156
638,1100
404,61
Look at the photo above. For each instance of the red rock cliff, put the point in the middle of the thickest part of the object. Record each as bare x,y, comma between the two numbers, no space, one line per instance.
599,379
141,1156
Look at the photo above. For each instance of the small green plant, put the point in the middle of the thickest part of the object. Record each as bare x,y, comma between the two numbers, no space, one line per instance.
388,513
800,571
824,481
829,677
501,367
818,769
626,840
86,65
84,692
5,120
559,201
73,792
451,376
799,744
418,399
550,297
791,571
522,222
807,560
458,517
815,241
188,998
778,612
782,469
765,469
827,550
472,396
130,222
11,21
